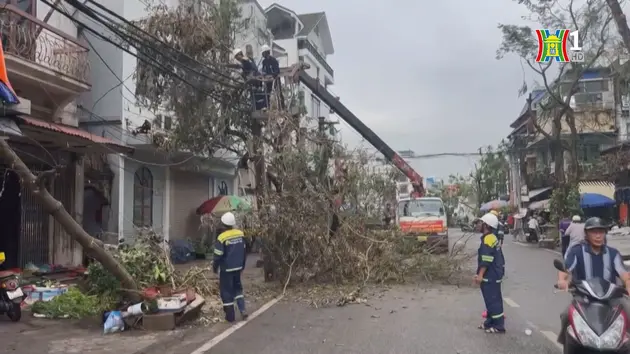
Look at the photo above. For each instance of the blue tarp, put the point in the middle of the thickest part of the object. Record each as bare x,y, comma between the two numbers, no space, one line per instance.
594,200
182,251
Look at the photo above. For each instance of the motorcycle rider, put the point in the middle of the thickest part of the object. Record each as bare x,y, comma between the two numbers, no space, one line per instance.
592,259
490,271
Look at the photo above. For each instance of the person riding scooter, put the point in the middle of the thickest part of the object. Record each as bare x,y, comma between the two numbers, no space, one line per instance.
591,259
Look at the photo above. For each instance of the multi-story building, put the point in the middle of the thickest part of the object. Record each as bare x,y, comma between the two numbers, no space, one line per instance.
149,188
48,66
304,38
595,110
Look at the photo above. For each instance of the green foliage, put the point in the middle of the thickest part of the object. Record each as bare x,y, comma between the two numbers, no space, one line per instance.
488,180
144,260
457,190
73,304
564,202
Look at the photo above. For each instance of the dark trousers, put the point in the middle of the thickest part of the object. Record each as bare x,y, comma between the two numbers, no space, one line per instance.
566,240
493,298
231,290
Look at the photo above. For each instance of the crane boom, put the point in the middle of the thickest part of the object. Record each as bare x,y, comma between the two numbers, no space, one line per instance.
365,131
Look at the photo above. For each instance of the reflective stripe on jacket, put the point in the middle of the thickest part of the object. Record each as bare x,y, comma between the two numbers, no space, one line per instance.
229,251
490,256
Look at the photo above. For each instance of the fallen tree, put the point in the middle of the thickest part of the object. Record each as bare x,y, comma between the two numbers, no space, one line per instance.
36,184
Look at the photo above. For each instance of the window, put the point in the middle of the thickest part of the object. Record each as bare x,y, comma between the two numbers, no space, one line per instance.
315,106
158,121
143,198
168,123
592,86
27,6
318,72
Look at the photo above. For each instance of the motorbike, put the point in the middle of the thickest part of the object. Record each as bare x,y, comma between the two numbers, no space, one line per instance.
597,323
11,295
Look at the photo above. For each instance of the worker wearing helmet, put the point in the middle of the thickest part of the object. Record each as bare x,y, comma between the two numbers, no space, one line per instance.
271,67
490,271
592,259
247,65
229,262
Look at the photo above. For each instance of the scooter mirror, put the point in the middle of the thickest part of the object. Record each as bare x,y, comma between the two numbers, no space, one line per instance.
559,265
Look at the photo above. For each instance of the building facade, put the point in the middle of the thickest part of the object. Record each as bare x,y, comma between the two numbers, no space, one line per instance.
150,188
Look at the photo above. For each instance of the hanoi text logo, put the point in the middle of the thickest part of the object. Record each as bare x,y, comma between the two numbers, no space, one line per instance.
556,45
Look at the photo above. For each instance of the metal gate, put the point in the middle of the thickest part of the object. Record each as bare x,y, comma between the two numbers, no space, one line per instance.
34,235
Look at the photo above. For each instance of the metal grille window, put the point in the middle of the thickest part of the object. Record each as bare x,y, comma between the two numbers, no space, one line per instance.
143,198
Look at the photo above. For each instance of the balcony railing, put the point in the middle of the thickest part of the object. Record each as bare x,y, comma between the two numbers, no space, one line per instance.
305,44
31,39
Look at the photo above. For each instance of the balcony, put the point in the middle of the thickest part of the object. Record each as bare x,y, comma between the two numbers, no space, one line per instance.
40,58
305,44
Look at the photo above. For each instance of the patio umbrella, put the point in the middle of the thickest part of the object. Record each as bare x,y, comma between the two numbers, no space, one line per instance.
223,204
595,200
494,204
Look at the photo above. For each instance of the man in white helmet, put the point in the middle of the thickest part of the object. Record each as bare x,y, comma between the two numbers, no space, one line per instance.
247,64
490,271
271,67
229,262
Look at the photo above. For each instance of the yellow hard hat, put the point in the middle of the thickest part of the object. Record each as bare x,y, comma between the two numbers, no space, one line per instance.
496,213
2,257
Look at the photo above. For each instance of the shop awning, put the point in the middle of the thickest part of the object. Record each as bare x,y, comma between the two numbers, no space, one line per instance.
536,192
540,205
52,134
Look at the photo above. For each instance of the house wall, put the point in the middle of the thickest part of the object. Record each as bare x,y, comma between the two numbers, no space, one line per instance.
159,188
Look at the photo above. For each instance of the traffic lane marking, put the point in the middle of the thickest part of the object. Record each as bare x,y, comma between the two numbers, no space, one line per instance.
552,337
223,335
511,302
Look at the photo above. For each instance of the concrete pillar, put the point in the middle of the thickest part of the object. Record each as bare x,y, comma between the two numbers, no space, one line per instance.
166,207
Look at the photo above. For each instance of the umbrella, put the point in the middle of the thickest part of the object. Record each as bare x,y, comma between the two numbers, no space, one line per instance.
222,204
494,204
595,200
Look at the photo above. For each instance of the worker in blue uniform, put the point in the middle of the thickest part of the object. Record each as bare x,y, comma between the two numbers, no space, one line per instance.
490,271
229,262
271,67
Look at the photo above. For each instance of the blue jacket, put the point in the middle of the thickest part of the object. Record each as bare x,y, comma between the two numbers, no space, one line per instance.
229,251
584,264
490,256
270,66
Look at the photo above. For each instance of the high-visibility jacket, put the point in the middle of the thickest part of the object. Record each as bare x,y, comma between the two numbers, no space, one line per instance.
229,251
490,256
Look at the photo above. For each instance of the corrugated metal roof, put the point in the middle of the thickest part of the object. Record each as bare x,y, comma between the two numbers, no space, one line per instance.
65,129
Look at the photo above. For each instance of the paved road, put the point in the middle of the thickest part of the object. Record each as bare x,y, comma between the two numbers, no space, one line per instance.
416,320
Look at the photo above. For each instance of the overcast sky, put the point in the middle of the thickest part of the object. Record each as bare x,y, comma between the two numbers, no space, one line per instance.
423,75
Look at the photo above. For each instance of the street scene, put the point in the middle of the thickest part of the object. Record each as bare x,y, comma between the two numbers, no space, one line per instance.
250,176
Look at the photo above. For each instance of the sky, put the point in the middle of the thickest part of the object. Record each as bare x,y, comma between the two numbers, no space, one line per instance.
423,74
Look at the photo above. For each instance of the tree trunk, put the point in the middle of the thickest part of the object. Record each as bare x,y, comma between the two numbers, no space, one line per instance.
55,208
620,20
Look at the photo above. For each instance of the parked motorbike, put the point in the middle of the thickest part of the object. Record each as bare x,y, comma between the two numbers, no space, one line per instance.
11,295
597,323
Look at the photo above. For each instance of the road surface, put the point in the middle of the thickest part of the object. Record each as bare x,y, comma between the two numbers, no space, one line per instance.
412,319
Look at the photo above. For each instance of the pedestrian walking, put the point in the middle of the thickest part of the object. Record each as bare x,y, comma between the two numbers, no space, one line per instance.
490,272
562,228
575,233
229,262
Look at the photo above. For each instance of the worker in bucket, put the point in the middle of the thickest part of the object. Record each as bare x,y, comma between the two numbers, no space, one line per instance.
229,262
247,65
271,67
490,271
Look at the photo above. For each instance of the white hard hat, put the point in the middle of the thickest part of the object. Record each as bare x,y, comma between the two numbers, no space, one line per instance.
576,218
265,48
490,220
237,51
228,219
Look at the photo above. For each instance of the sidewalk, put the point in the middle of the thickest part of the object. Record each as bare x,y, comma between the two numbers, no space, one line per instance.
44,336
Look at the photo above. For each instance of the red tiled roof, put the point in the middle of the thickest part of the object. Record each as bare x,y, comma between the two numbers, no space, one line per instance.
64,129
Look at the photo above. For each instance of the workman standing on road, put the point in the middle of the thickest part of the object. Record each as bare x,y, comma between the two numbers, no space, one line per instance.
490,271
229,262
592,259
